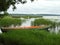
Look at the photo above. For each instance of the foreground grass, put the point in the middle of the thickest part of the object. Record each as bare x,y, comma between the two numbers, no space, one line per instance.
29,37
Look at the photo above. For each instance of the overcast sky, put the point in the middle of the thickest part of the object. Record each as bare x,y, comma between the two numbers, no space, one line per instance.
38,7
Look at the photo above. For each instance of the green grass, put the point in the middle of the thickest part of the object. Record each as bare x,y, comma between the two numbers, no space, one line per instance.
42,22
29,37
7,21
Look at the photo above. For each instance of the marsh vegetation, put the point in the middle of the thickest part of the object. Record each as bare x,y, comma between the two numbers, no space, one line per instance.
28,36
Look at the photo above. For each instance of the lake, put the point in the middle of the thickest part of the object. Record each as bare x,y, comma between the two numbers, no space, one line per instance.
27,22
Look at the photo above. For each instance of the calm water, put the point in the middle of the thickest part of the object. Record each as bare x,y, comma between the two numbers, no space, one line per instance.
54,19
27,22
0,31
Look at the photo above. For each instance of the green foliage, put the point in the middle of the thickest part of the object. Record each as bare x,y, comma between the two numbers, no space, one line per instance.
7,21
29,37
5,14
42,21
5,4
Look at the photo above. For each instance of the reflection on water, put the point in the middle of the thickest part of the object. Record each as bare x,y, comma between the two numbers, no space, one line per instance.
0,31
55,29
56,19
27,22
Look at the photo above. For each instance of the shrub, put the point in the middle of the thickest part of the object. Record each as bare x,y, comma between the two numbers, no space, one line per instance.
42,21
7,21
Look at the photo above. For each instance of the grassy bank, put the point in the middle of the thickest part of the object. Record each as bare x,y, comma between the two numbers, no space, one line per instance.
29,37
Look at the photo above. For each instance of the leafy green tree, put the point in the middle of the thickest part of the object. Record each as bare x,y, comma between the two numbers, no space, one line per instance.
5,4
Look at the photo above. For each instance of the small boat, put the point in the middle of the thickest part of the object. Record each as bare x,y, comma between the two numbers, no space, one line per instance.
5,29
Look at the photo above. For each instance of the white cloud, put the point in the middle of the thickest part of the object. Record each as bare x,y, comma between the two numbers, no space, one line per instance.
40,6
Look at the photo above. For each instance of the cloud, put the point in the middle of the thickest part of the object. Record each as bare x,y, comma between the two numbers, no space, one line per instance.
53,0
40,6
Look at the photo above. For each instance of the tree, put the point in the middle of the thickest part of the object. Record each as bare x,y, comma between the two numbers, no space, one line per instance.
5,4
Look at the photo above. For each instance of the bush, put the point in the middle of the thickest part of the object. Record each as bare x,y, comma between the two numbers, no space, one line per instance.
29,37
7,21
42,22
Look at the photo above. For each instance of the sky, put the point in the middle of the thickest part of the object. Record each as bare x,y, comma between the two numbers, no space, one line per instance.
37,7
